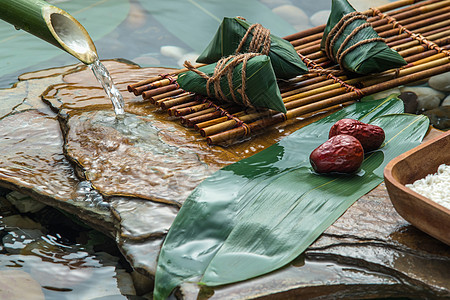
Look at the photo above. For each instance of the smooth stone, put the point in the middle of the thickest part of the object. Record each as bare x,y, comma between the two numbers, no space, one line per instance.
427,98
293,15
440,82
386,93
125,282
18,221
439,117
173,51
191,56
24,203
16,284
363,5
409,102
141,219
320,17
446,101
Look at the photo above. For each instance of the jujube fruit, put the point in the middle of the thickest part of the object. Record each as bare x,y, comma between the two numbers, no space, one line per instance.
370,136
341,153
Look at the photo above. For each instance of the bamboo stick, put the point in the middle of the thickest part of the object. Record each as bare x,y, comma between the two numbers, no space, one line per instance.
173,93
131,87
176,101
173,110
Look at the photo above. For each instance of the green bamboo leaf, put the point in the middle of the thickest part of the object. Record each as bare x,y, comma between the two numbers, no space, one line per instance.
258,214
195,21
19,49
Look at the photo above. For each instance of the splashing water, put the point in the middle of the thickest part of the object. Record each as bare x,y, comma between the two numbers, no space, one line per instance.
102,75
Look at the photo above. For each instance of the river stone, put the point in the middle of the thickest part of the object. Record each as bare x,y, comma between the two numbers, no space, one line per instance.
440,82
16,284
427,98
24,203
439,117
446,101
293,15
33,161
173,51
386,93
410,103
320,17
140,219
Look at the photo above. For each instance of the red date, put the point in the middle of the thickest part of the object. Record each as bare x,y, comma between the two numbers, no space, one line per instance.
341,153
370,136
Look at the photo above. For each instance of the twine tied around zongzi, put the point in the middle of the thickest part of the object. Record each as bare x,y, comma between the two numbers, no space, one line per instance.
261,38
225,68
336,32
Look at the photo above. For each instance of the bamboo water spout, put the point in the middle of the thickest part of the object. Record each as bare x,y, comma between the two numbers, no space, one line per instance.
50,24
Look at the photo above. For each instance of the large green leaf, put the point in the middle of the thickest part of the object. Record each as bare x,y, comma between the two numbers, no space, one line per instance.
195,21
19,49
258,214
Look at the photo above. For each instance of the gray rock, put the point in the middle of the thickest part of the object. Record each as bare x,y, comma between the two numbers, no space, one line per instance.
440,82
446,101
439,117
386,93
23,203
320,17
409,101
427,98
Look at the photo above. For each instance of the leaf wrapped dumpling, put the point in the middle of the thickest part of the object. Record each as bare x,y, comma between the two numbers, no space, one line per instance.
246,79
285,61
349,40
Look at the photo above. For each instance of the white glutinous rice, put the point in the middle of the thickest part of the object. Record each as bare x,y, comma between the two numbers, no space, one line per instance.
435,186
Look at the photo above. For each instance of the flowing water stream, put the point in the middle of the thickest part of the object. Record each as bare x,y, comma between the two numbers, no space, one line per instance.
103,76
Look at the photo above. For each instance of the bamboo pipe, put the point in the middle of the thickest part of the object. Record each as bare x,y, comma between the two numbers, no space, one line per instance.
50,24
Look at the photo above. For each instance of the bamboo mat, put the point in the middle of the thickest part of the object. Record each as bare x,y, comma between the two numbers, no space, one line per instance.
418,30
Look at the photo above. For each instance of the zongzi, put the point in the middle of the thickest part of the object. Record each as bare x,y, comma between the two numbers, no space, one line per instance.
236,35
350,40
245,79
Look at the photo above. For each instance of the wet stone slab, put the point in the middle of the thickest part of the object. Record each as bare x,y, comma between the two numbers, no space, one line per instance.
128,178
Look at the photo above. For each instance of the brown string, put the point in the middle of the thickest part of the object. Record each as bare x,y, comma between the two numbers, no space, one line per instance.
316,68
261,37
338,30
225,67
225,113
417,36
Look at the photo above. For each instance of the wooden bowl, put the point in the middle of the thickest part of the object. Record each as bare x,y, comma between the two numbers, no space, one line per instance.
414,164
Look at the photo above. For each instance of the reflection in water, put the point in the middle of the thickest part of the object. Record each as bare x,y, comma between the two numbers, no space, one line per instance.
60,257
